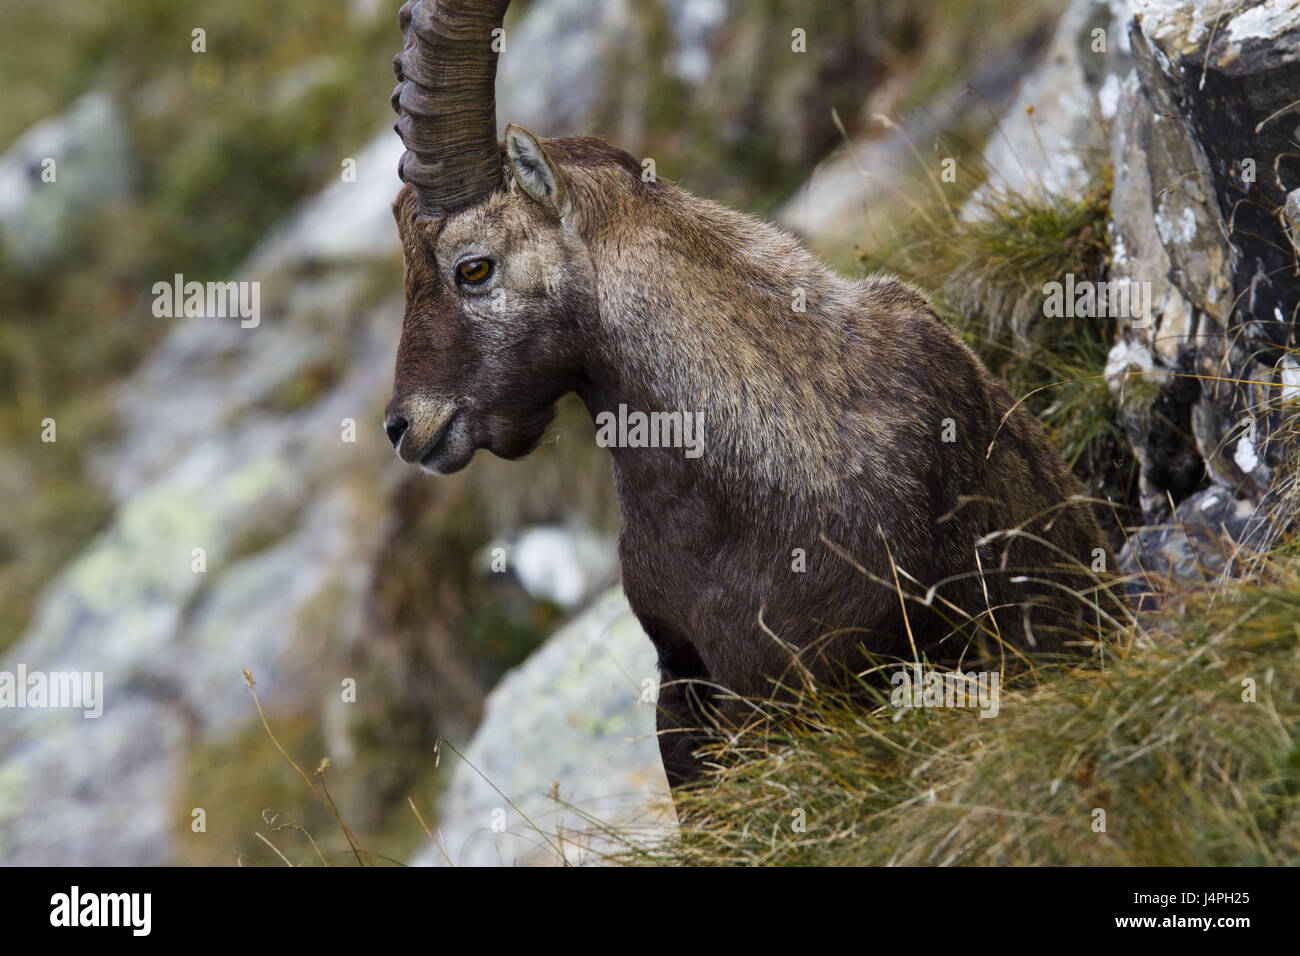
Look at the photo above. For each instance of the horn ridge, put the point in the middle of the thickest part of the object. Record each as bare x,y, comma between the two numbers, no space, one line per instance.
445,99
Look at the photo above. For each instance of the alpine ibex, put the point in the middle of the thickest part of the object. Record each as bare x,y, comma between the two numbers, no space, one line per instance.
865,485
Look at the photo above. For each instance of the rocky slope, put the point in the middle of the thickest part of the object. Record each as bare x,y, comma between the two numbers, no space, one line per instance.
258,519
1193,106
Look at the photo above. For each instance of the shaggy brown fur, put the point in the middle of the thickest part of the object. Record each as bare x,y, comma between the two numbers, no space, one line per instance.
859,440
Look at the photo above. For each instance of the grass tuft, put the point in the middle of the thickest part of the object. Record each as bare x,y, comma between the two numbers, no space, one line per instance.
1182,749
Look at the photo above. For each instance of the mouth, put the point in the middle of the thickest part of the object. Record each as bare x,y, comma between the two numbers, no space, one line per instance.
436,443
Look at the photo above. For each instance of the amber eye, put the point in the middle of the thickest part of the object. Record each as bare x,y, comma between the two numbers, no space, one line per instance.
474,271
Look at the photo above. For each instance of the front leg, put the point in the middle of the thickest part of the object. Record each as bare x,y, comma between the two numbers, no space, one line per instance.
681,716
680,721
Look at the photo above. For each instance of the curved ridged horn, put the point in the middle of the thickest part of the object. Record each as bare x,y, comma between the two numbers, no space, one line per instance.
446,100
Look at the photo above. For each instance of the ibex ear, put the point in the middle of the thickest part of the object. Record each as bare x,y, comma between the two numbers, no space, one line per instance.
535,172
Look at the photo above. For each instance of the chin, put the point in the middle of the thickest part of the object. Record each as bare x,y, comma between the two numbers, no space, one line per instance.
440,465
517,439
451,454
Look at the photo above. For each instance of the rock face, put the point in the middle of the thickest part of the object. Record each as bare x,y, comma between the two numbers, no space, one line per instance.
1194,107
567,743
1201,543
236,516
1203,160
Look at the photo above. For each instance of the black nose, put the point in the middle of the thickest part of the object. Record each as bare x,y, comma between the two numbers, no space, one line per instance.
395,425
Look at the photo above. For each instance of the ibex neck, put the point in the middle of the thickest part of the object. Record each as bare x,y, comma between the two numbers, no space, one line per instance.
706,312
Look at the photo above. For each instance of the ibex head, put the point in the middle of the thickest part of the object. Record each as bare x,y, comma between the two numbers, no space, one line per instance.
498,283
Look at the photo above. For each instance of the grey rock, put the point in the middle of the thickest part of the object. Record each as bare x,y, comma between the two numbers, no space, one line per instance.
1056,119
87,153
1212,533
1193,144
171,637
569,64
846,197
566,566
1292,213
347,222
556,69
567,743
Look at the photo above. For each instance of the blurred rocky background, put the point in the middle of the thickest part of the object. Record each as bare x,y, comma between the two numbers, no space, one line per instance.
222,497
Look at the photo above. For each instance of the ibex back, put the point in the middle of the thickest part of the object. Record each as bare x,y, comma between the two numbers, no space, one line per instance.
865,490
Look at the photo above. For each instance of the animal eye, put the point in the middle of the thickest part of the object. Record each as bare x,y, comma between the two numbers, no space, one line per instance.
474,271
